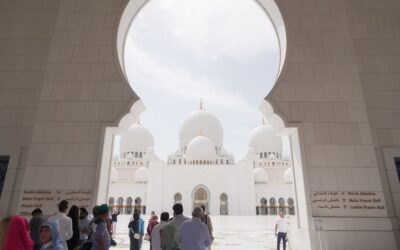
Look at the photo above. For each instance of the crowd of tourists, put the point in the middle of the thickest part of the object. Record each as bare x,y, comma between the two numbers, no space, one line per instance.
173,233
78,230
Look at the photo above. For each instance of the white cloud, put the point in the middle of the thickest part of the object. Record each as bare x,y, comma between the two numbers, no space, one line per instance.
176,54
215,28
179,84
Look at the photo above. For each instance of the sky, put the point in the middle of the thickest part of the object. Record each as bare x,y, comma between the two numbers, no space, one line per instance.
223,51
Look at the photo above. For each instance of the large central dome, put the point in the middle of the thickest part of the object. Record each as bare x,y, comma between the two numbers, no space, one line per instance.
201,121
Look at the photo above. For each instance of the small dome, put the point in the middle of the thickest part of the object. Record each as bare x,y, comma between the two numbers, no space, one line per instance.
141,174
113,175
288,175
201,148
260,175
138,138
204,121
264,138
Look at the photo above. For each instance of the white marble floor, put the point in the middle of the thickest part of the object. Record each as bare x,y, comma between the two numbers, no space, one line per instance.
230,232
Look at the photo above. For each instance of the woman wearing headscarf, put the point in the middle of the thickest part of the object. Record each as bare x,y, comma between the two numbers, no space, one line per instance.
73,243
134,234
14,234
50,237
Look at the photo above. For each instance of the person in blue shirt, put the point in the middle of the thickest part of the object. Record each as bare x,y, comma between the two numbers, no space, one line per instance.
194,234
101,236
136,231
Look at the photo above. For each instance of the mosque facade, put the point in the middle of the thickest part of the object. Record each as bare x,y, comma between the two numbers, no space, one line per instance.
64,87
202,172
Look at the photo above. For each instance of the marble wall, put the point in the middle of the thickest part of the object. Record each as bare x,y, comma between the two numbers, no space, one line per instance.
83,91
376,38
61,85
321,91
26,31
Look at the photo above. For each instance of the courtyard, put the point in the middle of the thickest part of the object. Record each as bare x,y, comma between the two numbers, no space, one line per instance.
230,232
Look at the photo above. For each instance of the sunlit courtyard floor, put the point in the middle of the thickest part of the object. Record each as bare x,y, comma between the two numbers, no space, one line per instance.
230,232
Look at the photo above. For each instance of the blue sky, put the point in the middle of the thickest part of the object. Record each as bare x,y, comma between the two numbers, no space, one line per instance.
224,51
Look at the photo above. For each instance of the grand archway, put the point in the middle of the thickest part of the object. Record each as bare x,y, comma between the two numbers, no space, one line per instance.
265,108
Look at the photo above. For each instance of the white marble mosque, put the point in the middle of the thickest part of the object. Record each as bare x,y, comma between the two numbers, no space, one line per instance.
64,95
202,172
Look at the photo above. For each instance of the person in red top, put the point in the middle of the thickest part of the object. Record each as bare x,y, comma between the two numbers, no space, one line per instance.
15,234
150,225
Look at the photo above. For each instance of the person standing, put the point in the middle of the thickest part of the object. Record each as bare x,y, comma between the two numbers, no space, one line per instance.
134,232
14,234
73,243
64,223
155,232
114,220
179,218
34,225
153,221
207,220
141,229
281,230
194,234
169,237
101,236
170,233
84,229
50,237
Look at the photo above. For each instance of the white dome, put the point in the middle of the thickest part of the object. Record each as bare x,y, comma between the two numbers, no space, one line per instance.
201,121
138,138
141,174
260,175
288,175
201,148
113,175
264,138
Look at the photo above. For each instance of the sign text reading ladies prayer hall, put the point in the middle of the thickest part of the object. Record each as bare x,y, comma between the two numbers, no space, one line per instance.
348,203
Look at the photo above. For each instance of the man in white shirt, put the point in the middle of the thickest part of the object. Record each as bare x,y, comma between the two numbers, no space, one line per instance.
281,230
64,222
155,233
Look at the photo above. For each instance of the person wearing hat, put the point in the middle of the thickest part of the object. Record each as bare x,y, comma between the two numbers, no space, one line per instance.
101,236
